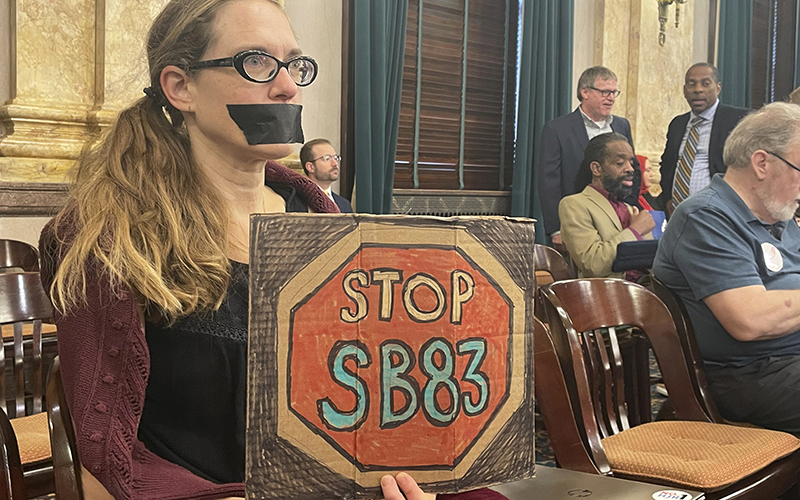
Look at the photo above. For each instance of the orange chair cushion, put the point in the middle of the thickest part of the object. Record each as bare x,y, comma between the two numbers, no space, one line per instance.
33,437
697,455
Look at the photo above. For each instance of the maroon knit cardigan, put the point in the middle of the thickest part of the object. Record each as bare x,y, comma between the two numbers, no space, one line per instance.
105,364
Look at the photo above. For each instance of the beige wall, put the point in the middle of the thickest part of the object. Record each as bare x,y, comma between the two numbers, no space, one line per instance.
25,229
320,36
702,15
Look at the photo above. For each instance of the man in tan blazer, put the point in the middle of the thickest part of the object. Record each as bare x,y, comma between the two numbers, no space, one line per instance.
594,221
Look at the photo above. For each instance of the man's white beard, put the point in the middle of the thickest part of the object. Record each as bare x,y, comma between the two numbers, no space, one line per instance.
776,210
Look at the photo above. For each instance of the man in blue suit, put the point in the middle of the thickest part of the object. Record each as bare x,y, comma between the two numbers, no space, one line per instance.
565,138
321,165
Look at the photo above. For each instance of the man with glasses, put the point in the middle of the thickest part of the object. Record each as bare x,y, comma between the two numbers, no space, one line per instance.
565,138
730,252
695,139
321,165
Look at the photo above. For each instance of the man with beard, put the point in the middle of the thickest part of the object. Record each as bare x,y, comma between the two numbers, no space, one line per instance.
730,252
595,220
321,165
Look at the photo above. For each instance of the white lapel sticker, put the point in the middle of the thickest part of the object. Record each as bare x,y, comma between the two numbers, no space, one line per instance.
772,257
671,495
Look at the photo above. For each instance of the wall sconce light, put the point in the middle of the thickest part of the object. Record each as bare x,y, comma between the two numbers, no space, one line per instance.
662,17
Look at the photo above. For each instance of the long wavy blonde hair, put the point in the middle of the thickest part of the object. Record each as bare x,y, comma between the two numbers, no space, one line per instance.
143,209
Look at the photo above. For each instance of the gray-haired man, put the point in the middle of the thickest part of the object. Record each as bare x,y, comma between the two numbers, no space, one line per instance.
732,253
565,138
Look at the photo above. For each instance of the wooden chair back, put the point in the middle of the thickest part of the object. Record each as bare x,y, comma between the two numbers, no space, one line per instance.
550,266
555,405
549,260
66,463
584,317
691,351
18,255
12,480
23,306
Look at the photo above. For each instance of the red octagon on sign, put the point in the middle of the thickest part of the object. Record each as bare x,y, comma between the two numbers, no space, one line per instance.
409,348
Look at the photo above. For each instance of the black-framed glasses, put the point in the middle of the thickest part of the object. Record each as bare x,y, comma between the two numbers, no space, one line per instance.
784,160
260,67
606,93
328,158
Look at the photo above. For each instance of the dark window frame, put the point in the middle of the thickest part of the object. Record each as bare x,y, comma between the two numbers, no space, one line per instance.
501,177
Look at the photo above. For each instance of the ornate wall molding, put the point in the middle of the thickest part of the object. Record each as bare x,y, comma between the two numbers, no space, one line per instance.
42,143
31,199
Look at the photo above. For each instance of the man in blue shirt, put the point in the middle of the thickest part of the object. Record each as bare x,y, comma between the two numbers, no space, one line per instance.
732,253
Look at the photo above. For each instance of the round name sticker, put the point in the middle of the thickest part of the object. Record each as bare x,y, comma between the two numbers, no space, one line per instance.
772,257
671,495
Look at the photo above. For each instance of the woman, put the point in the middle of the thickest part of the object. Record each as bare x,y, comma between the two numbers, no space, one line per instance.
146,265
644,192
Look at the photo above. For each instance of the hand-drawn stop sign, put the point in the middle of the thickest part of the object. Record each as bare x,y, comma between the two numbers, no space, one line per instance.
400,356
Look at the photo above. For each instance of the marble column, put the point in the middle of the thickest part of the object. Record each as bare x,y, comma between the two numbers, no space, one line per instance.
73,65
650,75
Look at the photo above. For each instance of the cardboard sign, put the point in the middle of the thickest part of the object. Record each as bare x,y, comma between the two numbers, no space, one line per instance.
387,343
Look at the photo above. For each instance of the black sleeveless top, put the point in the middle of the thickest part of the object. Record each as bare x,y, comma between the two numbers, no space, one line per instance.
194,409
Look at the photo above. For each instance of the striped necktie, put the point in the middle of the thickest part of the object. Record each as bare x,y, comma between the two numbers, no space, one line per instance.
680,188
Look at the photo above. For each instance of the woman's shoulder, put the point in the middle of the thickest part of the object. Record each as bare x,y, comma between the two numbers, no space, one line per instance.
55,240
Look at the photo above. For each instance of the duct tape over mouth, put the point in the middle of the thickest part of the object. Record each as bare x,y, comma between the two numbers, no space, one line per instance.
268,123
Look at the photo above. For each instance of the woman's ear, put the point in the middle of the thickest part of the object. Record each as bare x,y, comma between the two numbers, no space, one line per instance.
176,86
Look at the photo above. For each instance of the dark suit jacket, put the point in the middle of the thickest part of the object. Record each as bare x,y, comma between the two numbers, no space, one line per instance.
725,119
342,203
563,141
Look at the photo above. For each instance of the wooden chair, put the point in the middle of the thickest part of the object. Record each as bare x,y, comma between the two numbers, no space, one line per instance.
18,255
66,463
12,480
23,306
550,261
554,402
695,453
550,266
689,347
